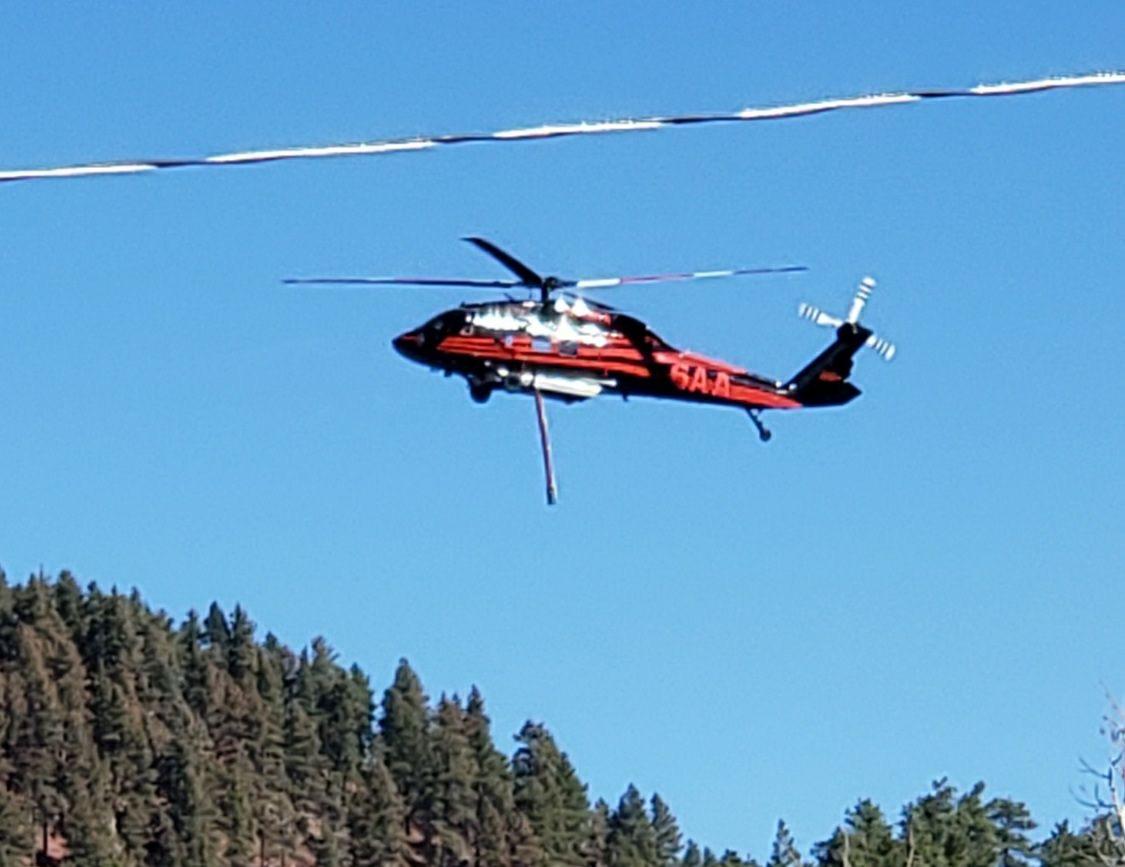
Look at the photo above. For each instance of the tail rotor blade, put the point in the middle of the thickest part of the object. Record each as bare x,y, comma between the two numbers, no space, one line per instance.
885,349
818,316
862,293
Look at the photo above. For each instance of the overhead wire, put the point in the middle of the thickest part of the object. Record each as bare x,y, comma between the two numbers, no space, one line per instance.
379,147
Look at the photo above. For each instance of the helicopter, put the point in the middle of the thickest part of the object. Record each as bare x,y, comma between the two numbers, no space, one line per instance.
560,344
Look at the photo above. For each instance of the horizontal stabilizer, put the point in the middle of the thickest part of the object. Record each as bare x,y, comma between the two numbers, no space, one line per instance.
823,381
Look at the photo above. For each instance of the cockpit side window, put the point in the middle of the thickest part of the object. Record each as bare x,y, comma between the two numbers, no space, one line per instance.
440,324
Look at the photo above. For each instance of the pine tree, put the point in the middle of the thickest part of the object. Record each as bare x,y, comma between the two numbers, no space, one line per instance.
669,841
196,666
159,686
731,858
404,728
632,839
377,819
977,838
1064,848
16,838
190,812
216,630
597,850
236,817
549,793
344,711
38,734
501,838
305,768
273,809
9,623
325,844
86,826
945,831
1012,820
240,649
784,852
929,827
870,838
68,602
452,801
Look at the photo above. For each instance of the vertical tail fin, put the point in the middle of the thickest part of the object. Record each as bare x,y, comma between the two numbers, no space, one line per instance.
823,381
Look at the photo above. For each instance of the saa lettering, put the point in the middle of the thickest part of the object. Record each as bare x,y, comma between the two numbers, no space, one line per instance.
698,379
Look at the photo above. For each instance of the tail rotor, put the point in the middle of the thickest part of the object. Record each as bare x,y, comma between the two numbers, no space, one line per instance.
884,348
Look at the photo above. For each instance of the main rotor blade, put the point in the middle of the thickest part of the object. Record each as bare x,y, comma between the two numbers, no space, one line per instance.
526,275
593,303
611,282
560,130
405,281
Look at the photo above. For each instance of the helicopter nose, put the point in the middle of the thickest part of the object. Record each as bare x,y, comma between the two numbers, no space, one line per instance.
408,344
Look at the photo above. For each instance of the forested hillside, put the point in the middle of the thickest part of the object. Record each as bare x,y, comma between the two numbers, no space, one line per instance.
126,739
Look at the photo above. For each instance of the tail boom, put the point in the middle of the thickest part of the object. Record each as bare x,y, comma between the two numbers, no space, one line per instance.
823,381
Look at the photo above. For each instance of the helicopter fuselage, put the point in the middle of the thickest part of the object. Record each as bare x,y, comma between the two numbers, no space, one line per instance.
563,346
572,351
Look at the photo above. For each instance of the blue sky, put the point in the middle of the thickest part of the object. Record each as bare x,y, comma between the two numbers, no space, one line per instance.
922,585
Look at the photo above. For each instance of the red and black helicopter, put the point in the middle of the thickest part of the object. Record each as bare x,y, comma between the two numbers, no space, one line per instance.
558,343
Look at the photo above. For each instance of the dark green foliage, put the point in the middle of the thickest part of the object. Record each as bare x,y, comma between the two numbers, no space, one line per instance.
1067,849
405,730
949,831
452,802
503,836
126,741
1011,820
216,632
187,813
549,793
597,849
784,851
866,840
666,832
377,819
632,838
16,835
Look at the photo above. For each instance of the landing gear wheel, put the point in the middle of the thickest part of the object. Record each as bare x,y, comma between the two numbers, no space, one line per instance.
763,432
479,392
